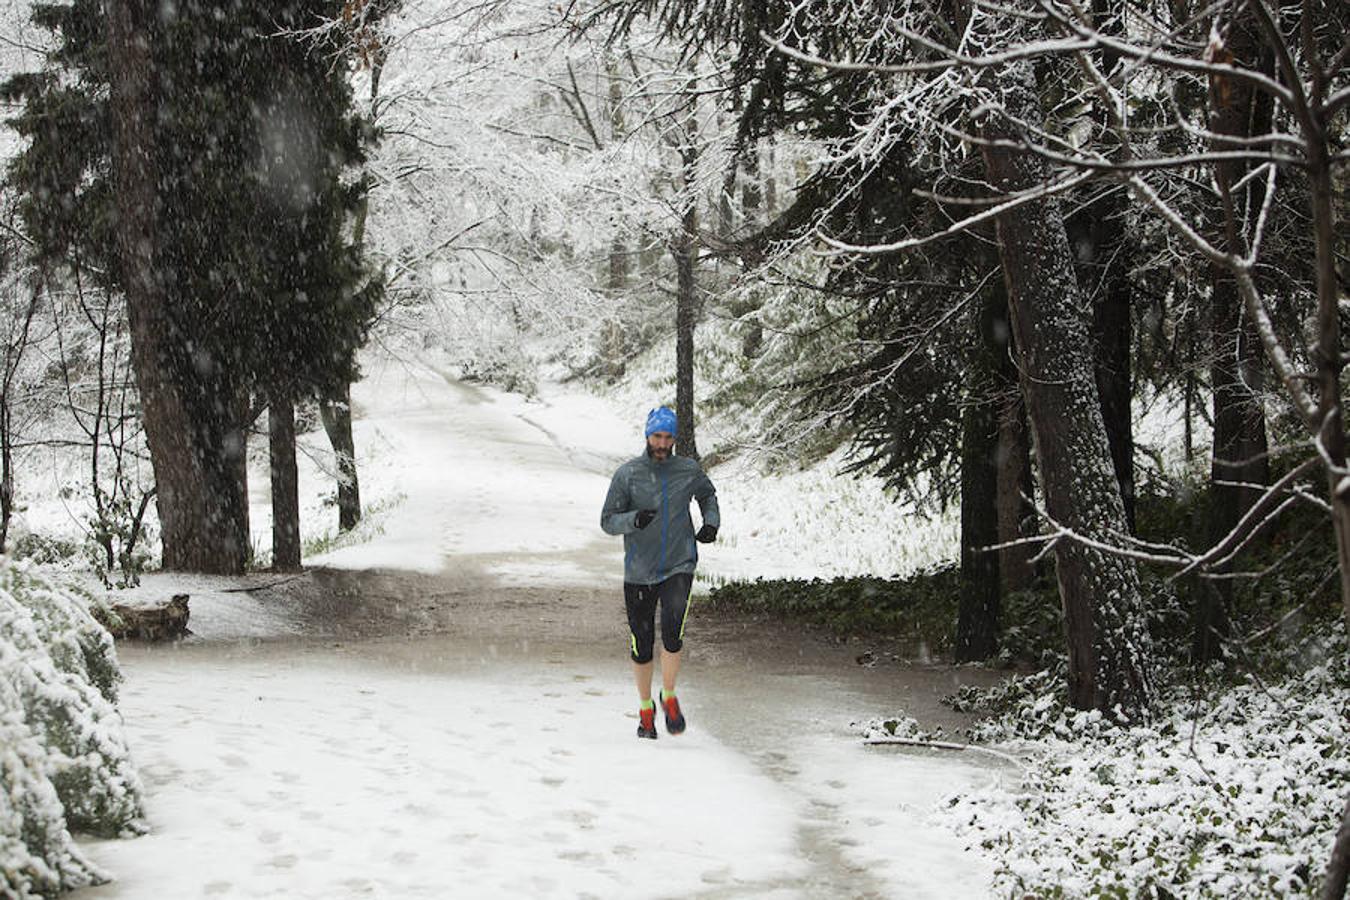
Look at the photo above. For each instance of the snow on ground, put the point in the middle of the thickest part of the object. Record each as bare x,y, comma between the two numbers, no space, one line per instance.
323,776
418,770
220,608
286,766
422,455
431,456
1230,793
428,491
1159,434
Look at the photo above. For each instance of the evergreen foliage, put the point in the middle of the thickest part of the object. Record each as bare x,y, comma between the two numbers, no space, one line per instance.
255,150
257,145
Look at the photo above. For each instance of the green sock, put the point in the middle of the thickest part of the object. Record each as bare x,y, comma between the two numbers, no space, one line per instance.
648,704
666,695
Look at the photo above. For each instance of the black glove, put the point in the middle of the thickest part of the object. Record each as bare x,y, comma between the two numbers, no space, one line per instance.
644,517
707,534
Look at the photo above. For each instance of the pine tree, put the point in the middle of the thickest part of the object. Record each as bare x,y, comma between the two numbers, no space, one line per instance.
209,190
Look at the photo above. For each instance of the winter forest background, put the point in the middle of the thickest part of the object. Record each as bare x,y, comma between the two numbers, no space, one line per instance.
1017,326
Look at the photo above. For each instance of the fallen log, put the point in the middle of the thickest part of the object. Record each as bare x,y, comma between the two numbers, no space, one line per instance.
148,621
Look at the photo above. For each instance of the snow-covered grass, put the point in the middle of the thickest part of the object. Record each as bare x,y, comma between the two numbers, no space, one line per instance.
1230,790
813,522
787,511
64,760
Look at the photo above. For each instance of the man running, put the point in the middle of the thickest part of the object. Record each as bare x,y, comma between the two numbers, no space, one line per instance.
648,503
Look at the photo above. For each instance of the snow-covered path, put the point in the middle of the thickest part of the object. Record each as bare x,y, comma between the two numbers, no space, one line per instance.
479,742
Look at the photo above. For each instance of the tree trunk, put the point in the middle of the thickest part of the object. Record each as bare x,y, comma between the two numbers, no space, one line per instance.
1097,236
285,481
1239,448
6,473
752,191
1188,439
752,205
13,356
1015,513
685,251
977,622
1108,640
770,184
1329,361
1338,869
1105,258
619,265
1112,335
336,412
686,316
726,213
1238,454
335,400
187,403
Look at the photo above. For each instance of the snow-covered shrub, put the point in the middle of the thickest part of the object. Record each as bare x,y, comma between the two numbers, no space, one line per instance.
78,644
65,762
37,856
1234,791
43,549
900,726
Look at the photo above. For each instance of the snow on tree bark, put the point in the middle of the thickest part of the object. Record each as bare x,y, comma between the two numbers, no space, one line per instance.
335,409
1108,640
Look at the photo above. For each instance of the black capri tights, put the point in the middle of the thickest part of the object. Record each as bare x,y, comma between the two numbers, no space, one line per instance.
640,601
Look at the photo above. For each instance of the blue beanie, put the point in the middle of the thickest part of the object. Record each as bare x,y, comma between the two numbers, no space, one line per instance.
660,419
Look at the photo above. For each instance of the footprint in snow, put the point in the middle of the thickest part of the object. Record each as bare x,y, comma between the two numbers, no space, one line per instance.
716,876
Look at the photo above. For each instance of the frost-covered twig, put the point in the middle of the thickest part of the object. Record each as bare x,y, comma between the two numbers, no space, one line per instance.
1195,756
962,225
944,745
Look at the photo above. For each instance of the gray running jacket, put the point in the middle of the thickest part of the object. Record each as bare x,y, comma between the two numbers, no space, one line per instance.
666,546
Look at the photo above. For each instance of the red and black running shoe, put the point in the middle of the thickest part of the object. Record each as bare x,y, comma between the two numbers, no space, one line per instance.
674,718
647,723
